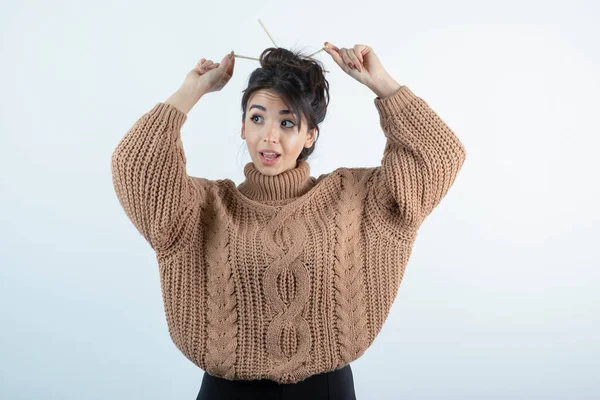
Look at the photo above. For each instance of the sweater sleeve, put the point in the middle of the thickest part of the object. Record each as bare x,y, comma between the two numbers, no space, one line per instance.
421,159
150,180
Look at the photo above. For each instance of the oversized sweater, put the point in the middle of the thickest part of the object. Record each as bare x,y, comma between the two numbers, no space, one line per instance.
283,277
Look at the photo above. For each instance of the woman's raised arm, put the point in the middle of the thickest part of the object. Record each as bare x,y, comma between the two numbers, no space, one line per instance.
149,176
149,164
422,155
421,159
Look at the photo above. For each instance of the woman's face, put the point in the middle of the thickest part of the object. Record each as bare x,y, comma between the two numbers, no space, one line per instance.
269,126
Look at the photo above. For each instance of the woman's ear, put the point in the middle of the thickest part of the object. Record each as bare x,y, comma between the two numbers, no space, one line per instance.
243,136
310,138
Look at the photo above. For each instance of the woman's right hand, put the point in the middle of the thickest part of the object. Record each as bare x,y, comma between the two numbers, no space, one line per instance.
209,77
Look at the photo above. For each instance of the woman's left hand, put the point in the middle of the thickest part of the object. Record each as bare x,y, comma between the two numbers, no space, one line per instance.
361,63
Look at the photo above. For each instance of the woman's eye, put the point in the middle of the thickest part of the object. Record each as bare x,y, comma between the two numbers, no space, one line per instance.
287,120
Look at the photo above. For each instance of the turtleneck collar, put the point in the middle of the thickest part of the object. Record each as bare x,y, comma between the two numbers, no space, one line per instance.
284,186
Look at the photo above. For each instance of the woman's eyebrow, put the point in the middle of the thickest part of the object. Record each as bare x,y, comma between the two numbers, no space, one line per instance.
265,110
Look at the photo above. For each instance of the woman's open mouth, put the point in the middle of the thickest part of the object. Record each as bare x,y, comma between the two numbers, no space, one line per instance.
269,159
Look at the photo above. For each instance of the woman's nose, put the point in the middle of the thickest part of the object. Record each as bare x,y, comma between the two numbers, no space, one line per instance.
271,136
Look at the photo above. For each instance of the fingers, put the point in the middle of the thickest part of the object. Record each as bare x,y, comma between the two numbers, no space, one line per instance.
357,50
228,62
205,65
354,62
230,66
208,65
348,57
345,57
204,62
335,53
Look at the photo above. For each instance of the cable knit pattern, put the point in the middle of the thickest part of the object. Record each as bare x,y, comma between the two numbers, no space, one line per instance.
351,313
287,276
221,300
286,286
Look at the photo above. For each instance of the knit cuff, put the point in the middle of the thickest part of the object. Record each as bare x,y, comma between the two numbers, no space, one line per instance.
174,116
394,104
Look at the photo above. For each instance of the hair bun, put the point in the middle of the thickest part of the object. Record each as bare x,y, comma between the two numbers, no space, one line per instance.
273,57
278,58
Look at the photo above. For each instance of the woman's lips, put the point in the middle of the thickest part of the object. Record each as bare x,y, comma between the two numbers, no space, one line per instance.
269,162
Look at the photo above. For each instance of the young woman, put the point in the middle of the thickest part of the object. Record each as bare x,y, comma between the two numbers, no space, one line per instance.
274,286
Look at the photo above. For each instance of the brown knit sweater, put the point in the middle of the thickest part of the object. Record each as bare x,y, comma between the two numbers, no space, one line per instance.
285,276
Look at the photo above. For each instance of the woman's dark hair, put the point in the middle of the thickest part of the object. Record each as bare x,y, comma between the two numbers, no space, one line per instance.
298,80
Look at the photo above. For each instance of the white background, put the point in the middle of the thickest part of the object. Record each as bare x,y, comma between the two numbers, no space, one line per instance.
501,295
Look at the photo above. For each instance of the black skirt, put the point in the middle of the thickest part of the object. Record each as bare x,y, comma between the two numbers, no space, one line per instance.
332,385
